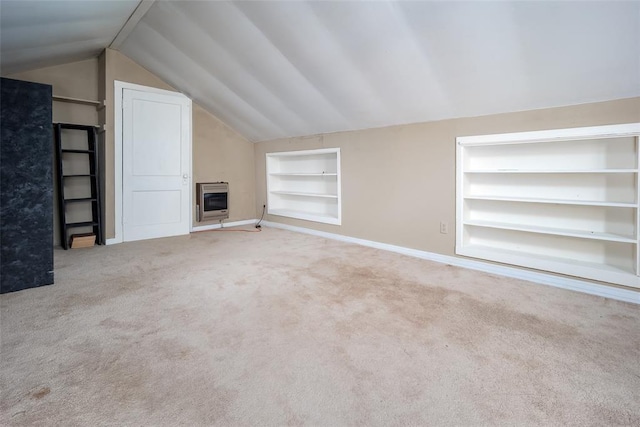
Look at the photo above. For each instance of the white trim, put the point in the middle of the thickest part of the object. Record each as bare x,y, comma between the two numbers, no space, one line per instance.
516,273
118,87
637,141
593,132
223,225
113,241
306,152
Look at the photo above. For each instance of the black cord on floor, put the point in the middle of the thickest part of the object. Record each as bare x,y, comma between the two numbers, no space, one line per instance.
258,226
258,223
230,229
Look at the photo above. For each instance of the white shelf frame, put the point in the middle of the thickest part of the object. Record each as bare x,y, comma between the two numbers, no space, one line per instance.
556,135
553,171
594,271
302,195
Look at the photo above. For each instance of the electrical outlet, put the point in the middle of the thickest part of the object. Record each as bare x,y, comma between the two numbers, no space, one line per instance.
444,227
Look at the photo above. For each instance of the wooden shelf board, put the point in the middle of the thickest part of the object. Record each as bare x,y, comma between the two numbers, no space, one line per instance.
555,231
302,174
64,150
302,194
329,219
84,199
551,171
553,201
589,270
81,224
76,100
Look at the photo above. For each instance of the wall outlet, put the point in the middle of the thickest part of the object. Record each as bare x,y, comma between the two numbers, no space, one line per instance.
444,227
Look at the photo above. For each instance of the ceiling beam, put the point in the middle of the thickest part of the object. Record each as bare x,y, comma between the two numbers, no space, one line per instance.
131,23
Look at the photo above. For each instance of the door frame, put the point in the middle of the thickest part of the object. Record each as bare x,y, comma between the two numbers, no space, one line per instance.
119,86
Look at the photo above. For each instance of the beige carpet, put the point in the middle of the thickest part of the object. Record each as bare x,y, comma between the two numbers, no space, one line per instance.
278,328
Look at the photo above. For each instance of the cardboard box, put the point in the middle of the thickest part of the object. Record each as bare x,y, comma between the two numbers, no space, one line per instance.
85,240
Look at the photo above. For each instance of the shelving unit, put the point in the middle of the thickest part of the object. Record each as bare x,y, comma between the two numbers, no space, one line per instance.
305,185
79,202
564,201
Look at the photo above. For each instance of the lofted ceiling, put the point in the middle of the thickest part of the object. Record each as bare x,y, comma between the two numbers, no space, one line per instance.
273,69
36,34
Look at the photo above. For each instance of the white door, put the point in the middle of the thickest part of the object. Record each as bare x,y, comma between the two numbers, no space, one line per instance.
156,165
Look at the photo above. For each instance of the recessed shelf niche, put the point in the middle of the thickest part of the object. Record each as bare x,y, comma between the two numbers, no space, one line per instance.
564,201
305,185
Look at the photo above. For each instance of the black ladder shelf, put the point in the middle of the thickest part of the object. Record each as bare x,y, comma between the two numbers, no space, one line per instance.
91,180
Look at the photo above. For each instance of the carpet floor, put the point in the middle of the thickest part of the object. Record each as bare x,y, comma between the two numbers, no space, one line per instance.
280,328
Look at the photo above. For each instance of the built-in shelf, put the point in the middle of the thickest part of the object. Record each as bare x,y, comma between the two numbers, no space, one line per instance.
304,185
564,201
97,104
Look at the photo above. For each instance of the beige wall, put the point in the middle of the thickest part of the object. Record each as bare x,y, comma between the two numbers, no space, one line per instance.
74,80
398,182
219,153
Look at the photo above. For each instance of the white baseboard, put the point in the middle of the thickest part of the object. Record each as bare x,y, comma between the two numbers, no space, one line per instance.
516,273
224,225
113,241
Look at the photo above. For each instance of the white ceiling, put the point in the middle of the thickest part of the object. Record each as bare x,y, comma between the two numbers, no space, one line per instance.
280,69
36,34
